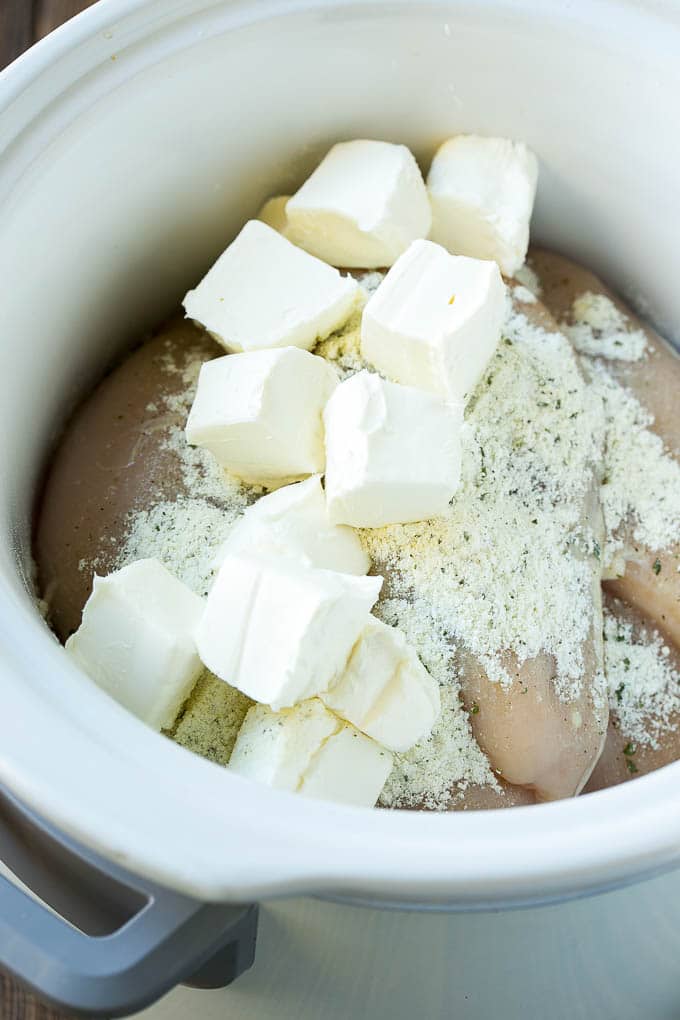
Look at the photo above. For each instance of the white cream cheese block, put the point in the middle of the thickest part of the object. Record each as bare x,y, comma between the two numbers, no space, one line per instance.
273,213
349,768
293,521
275,748
260,413
264,291
393,453
385,691
482,192
279,630
307,749
435,320
136,640
361,207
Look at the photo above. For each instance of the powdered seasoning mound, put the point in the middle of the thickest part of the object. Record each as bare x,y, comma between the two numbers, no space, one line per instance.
209,722
644,688
527,277
443,765
640,492
185,532
600,329
343,347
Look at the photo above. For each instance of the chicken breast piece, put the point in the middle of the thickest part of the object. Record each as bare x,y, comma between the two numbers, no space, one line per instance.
536,733
644,691
483,798
534,738
112,459
486,798
654,379
649,590
651,581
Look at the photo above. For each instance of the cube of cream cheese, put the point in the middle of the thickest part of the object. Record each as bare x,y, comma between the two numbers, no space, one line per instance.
349,768
260,413
482,192
275,748
279,630
263,291
136,640
293,521
307,749
362,206
393,453
273,213
385,691
435,320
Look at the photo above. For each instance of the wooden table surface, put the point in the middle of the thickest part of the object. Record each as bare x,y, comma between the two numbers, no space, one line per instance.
21,23
24,21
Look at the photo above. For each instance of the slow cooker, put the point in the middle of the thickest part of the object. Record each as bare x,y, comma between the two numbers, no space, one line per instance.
135,141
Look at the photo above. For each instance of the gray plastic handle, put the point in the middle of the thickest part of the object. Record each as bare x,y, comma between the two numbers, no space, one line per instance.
139,939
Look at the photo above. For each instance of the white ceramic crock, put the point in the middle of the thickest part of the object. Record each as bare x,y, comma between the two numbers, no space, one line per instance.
135,142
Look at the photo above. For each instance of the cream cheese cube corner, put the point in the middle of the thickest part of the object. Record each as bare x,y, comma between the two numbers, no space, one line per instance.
435,320
260,413
393,453
307,749
276,748
293,521
136,640
349,768
281,631
264,292
362,206
482,192
273,213
385,691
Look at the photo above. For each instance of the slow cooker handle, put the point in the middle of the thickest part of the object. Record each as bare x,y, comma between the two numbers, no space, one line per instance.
161,938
